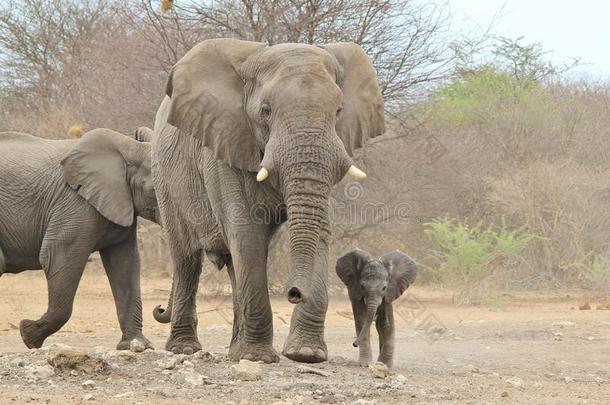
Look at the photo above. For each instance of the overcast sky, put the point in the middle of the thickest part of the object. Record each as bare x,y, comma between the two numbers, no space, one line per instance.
568,28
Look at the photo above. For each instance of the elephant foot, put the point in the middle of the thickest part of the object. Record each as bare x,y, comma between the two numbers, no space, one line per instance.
253,352
32,333
364,361
125,343
305,350
183,345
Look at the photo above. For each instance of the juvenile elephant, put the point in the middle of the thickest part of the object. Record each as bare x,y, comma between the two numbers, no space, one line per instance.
61,200
250,136
372,286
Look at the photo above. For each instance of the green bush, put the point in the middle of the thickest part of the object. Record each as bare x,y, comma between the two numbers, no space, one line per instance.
464,254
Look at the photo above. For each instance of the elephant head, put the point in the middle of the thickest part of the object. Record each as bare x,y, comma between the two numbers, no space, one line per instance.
375,281
112,172
292,113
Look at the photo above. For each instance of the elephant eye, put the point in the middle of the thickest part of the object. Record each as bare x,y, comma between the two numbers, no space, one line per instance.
265,111
339,110
384,288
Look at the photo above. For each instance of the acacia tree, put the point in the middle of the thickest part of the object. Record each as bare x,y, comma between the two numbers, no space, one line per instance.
409,41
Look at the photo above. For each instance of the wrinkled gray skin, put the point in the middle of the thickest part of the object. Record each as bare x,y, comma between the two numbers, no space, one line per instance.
233,107
61,200
372,285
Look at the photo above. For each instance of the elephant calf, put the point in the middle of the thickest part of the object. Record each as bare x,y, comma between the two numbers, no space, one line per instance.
372,285
61,200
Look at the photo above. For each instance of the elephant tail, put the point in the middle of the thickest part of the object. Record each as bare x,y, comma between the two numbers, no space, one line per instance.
165,315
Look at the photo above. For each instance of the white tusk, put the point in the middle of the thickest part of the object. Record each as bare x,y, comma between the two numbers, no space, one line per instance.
357,173
263,174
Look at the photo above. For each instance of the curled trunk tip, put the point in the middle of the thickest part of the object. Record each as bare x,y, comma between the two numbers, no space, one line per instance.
162,315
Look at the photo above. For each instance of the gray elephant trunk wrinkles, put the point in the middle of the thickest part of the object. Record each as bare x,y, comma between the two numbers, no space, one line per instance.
371,310
309,162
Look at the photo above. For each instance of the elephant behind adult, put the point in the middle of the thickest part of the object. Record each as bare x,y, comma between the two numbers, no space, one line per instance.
61,200
293,113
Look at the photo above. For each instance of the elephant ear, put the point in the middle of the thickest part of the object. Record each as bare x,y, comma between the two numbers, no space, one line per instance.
349,266
402,270
362,116
96,168
207,100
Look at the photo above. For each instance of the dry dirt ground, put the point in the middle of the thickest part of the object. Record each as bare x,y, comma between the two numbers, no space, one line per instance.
520,348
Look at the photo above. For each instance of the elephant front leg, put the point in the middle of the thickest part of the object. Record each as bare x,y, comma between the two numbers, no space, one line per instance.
364,346
385,328
63,268
183,335
122,264
253,323
305,342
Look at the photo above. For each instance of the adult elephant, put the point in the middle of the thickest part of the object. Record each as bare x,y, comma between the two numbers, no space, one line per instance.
250,136
61,200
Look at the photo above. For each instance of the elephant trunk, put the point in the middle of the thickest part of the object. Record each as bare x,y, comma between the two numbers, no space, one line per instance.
165,315
365,332
308,162
307,224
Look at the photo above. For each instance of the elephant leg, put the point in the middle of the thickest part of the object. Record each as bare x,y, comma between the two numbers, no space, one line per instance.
254,329
63,267
187,270
122,264
364,348
234,292
305,342
385,328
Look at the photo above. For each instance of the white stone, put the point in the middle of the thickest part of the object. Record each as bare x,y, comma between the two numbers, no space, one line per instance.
88,385
247,370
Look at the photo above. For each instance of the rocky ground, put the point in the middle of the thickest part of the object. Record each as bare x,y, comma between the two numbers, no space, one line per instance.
526,348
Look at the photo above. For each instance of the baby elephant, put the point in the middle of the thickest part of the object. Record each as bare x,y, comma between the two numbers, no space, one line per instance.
372,286
61,200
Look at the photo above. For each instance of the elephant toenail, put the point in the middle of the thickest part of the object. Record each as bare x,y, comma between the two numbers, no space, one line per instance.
320,354
266,359
249,356
188,350
306,351
175,350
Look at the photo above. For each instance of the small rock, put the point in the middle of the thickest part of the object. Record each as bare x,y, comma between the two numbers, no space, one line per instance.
364,402
312,370
74,360
187,363
564,324
515,382
17,362
337,360
401,379
205,356
585,307
88,397
168,363
504,394
195,379
137,346
247,370
380,370
88,385
40,373
73,373
568,379
127,394
124,355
